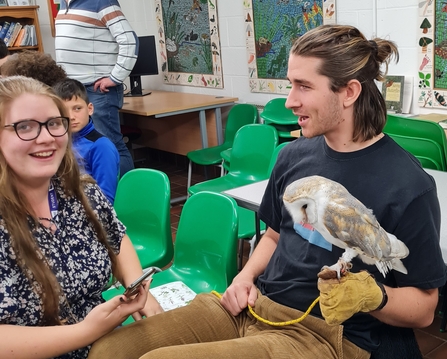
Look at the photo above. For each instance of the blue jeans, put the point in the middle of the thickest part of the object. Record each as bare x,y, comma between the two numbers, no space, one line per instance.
106,119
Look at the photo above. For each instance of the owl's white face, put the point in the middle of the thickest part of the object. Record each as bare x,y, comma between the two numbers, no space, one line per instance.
303,210
307,197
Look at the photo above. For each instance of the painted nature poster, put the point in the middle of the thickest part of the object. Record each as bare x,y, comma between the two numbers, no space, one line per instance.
189,42
271,27
432,71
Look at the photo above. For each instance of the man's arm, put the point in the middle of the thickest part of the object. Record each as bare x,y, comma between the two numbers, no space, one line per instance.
417,312
243,290
126,39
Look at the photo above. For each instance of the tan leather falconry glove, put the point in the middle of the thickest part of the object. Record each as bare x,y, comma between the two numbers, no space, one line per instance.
353,293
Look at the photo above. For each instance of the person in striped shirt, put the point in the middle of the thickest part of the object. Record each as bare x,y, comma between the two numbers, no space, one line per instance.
96,45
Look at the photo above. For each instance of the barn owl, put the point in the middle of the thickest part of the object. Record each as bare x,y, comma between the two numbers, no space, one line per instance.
345,222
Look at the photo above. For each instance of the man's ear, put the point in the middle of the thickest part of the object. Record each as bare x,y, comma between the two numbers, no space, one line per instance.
351,92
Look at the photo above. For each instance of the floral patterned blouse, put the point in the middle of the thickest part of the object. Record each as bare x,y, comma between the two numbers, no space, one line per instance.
80,262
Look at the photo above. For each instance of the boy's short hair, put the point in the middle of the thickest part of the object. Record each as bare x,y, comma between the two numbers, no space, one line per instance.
3,49
38,65
69,88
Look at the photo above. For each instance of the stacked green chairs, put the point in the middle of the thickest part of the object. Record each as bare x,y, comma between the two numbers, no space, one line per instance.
277,115
427,151
247,225
226,157
239,115
250,158
421,129
205,256
251,154
142,203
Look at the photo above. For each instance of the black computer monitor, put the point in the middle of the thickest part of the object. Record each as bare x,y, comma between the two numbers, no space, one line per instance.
146,65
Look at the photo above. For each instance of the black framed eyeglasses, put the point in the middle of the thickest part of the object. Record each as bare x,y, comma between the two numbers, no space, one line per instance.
28,130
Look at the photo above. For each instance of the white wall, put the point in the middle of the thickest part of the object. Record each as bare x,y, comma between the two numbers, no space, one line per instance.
391,19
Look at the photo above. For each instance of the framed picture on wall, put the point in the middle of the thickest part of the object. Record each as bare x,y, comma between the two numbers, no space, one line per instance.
3,3
271,27
189,42
432,65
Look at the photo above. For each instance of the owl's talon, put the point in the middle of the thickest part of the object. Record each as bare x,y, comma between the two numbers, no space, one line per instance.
327,273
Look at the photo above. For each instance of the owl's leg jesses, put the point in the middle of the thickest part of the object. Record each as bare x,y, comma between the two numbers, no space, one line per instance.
341,267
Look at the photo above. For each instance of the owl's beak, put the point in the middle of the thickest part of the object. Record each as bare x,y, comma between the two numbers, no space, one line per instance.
305,219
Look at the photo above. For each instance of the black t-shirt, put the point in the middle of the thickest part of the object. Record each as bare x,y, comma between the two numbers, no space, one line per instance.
386,179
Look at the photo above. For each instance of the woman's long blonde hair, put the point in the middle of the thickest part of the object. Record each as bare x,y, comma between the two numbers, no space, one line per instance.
15,209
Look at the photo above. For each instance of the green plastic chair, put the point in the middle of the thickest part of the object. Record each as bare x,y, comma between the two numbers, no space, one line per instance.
413,127
226,156
205,256
250,158
428,152
142,203
247,225
239,115
277,115
275,156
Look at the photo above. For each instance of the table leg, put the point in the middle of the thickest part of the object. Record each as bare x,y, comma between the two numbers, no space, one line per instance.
203,133
219,130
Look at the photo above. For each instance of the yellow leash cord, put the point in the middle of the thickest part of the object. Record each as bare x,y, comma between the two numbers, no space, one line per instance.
277,324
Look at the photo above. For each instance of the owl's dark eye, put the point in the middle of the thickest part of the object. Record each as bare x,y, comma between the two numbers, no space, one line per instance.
305,206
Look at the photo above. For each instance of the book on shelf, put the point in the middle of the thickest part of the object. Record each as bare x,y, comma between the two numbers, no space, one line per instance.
9,33
26,37
4,30
19,38
397,90
33,36
14,34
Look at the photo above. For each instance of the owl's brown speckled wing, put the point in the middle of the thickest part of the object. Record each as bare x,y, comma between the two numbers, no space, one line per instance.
348,220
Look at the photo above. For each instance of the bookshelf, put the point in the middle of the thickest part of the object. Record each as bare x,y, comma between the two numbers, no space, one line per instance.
26,15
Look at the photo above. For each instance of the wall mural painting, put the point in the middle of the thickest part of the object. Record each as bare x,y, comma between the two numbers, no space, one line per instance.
271,27
189,42
432,41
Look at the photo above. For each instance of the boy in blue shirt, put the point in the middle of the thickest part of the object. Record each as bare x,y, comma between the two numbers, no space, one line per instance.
95,152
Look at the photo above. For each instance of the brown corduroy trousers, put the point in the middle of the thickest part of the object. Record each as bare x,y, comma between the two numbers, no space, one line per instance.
204,329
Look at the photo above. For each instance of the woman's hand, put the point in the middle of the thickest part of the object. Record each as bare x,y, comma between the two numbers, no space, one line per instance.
109,315
151,307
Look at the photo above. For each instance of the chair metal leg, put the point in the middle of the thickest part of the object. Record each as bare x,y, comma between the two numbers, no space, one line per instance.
189,175
253,242
443,309
222,170
240,254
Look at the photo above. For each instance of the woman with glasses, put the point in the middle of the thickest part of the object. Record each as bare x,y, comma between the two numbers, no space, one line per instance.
59,237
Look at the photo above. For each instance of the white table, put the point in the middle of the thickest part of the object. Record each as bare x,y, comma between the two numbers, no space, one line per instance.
250,197
441,184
